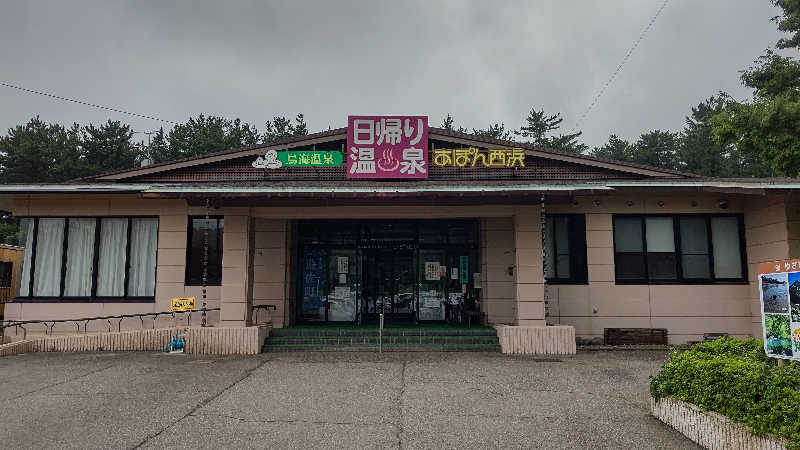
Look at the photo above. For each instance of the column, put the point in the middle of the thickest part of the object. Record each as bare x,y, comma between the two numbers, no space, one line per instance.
236,297
528,273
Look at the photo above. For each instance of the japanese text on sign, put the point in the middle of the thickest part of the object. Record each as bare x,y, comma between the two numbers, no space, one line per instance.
387,147
472,157
182,304
779,292
303,158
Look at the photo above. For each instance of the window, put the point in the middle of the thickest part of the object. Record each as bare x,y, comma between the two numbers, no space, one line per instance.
6,274
199,228
689,248
565,248
89,258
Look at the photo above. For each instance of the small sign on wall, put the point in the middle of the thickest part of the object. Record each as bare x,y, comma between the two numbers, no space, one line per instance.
182,304
342,264
432,272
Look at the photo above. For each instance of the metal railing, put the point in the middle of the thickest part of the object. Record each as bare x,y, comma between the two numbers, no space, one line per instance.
50,324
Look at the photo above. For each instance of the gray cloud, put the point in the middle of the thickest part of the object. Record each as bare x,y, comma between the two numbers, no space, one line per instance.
481,61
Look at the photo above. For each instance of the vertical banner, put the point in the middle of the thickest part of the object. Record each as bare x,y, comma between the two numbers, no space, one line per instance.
387,147
779,292
463,269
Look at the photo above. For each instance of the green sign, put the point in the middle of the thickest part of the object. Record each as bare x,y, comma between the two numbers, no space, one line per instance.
463,269
311,158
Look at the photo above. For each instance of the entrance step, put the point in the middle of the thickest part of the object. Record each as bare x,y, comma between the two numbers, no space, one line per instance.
430,339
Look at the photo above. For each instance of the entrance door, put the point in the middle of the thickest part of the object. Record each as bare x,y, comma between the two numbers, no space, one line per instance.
389,285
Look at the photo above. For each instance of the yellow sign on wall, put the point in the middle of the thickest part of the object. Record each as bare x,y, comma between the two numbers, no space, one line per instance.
182,304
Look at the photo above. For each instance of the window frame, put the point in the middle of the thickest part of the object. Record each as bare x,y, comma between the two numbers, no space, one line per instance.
579,273
93,298
189,235
676,231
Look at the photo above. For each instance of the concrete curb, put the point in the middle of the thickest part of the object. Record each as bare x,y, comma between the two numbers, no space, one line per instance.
547,340
199,340
709,429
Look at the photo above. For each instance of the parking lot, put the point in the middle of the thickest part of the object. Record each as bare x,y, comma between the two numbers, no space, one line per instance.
331,400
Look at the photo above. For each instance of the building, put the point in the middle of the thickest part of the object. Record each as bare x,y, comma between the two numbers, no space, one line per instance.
422,224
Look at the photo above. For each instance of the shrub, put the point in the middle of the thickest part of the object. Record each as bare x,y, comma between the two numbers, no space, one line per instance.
735,378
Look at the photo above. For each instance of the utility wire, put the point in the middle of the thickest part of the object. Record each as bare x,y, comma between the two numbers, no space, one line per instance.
620,66
81,102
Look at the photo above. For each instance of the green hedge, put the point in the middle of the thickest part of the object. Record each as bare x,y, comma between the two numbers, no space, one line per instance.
735,378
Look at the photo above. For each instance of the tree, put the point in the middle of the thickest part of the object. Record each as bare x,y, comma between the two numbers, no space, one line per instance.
767,128
203,135
281,128
107,147
39,152
699,153
616,148
540,130
494,131
657,148
448,124
788,22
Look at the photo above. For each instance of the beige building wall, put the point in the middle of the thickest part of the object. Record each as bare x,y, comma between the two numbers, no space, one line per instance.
528,271
270,271
686,311
497,270
170,269
257,245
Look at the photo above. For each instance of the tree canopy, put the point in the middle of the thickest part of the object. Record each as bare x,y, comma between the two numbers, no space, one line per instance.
767,127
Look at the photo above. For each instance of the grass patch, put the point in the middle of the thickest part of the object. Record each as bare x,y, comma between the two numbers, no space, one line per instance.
735,378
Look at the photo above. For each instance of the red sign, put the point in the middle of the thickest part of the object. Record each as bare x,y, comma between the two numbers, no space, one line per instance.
387,147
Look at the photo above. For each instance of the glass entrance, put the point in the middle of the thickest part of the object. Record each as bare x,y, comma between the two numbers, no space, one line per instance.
388,285
410,270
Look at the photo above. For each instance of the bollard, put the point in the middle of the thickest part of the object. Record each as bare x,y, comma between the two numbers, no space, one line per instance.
380,335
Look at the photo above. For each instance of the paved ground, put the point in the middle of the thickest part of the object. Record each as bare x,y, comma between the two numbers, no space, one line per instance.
343,400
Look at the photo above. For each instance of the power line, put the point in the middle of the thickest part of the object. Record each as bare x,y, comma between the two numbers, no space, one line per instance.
622,63
81,102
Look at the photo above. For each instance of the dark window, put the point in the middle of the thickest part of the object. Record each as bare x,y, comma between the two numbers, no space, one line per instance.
6,272
565,248
199,229
691,248
89,258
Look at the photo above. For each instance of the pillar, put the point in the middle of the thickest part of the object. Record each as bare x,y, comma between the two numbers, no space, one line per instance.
236,298
528,273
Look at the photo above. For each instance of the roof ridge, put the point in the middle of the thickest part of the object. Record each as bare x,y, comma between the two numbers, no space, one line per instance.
435,130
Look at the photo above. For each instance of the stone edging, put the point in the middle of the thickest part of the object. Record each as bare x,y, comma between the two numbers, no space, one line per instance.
545,340
709,429
199,340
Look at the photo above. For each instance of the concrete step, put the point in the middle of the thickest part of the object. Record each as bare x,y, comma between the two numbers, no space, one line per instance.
386,348
373,339
327,332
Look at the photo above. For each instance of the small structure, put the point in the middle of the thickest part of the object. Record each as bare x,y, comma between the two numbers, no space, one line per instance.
11,258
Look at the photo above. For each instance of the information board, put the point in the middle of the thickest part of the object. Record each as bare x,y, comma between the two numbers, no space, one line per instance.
779,292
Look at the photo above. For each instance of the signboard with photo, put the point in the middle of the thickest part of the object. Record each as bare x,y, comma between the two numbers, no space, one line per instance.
779,293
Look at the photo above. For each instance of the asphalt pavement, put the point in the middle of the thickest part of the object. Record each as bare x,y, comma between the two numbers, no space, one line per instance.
330,400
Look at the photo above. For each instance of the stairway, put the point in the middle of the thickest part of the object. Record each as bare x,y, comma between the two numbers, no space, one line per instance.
402,339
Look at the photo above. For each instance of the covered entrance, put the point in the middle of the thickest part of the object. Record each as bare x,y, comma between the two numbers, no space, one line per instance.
409,270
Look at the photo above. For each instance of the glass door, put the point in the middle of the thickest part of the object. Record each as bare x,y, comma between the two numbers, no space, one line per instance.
343,285
388,285
433,274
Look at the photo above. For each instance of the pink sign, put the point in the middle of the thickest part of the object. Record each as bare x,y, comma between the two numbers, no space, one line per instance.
387,147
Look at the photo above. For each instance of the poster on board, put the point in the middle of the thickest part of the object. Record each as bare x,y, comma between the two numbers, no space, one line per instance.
779,294
432,272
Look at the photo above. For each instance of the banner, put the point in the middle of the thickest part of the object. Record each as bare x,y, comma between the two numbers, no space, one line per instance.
779,292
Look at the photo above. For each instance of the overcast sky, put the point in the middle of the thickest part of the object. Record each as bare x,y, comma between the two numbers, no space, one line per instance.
480,61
